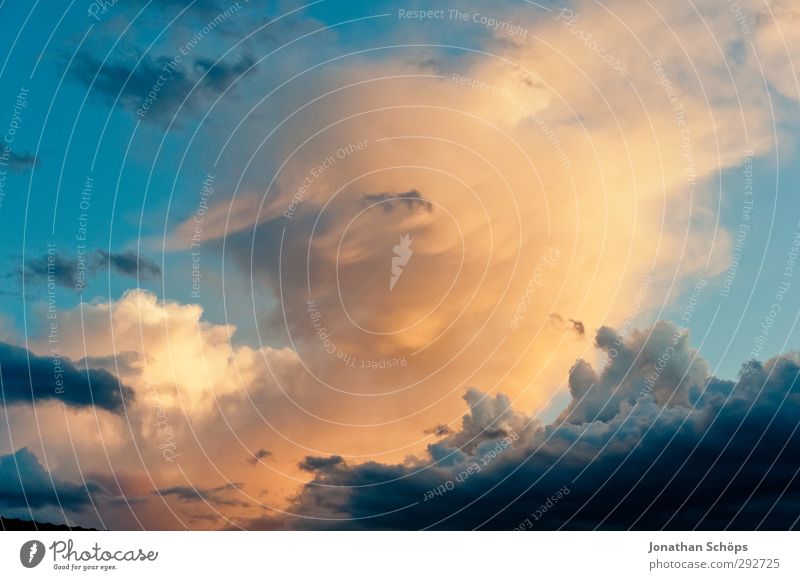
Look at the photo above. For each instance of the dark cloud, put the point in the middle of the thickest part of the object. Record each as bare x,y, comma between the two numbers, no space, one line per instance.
650,441
28,378
218,75
271,522
259,455
25,484
411,200
439,430
181,85
215,495
64,271
320,464
571,325
52,267
21,161
128,264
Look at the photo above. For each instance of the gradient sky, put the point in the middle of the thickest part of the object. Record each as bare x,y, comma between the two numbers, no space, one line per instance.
197,327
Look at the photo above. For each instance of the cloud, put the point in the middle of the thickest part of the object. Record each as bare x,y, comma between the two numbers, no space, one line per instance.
25,484
28,378
21,161
129,264
222,219
578,327
503,195
506,196
666,368
52,267
412,200
192,386
321,464
572,325
614,215
71,274
258,456
439,430
168,350
682,450
219,75
215,495
186,85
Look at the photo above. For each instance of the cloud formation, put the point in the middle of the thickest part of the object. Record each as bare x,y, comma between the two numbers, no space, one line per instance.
26,485
439,430
556,195
128,264
28,379
215,495
411,200
526,152
185,85
683,450
21,161
54,267
256,458
72,274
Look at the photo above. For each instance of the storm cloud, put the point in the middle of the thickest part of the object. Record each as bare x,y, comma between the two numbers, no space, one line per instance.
649,441
25,483
29,378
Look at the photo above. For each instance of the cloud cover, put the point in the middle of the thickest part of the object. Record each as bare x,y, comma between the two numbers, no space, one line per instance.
509,195
696,452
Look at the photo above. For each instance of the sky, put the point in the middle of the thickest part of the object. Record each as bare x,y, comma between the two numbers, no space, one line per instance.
383,265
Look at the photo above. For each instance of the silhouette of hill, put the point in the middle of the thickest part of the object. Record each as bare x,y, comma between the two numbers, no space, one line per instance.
15,525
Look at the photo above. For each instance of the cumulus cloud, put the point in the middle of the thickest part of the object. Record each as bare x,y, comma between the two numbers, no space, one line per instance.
512,194
530,155
694,451
529,151
660,364
168,351
199,401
